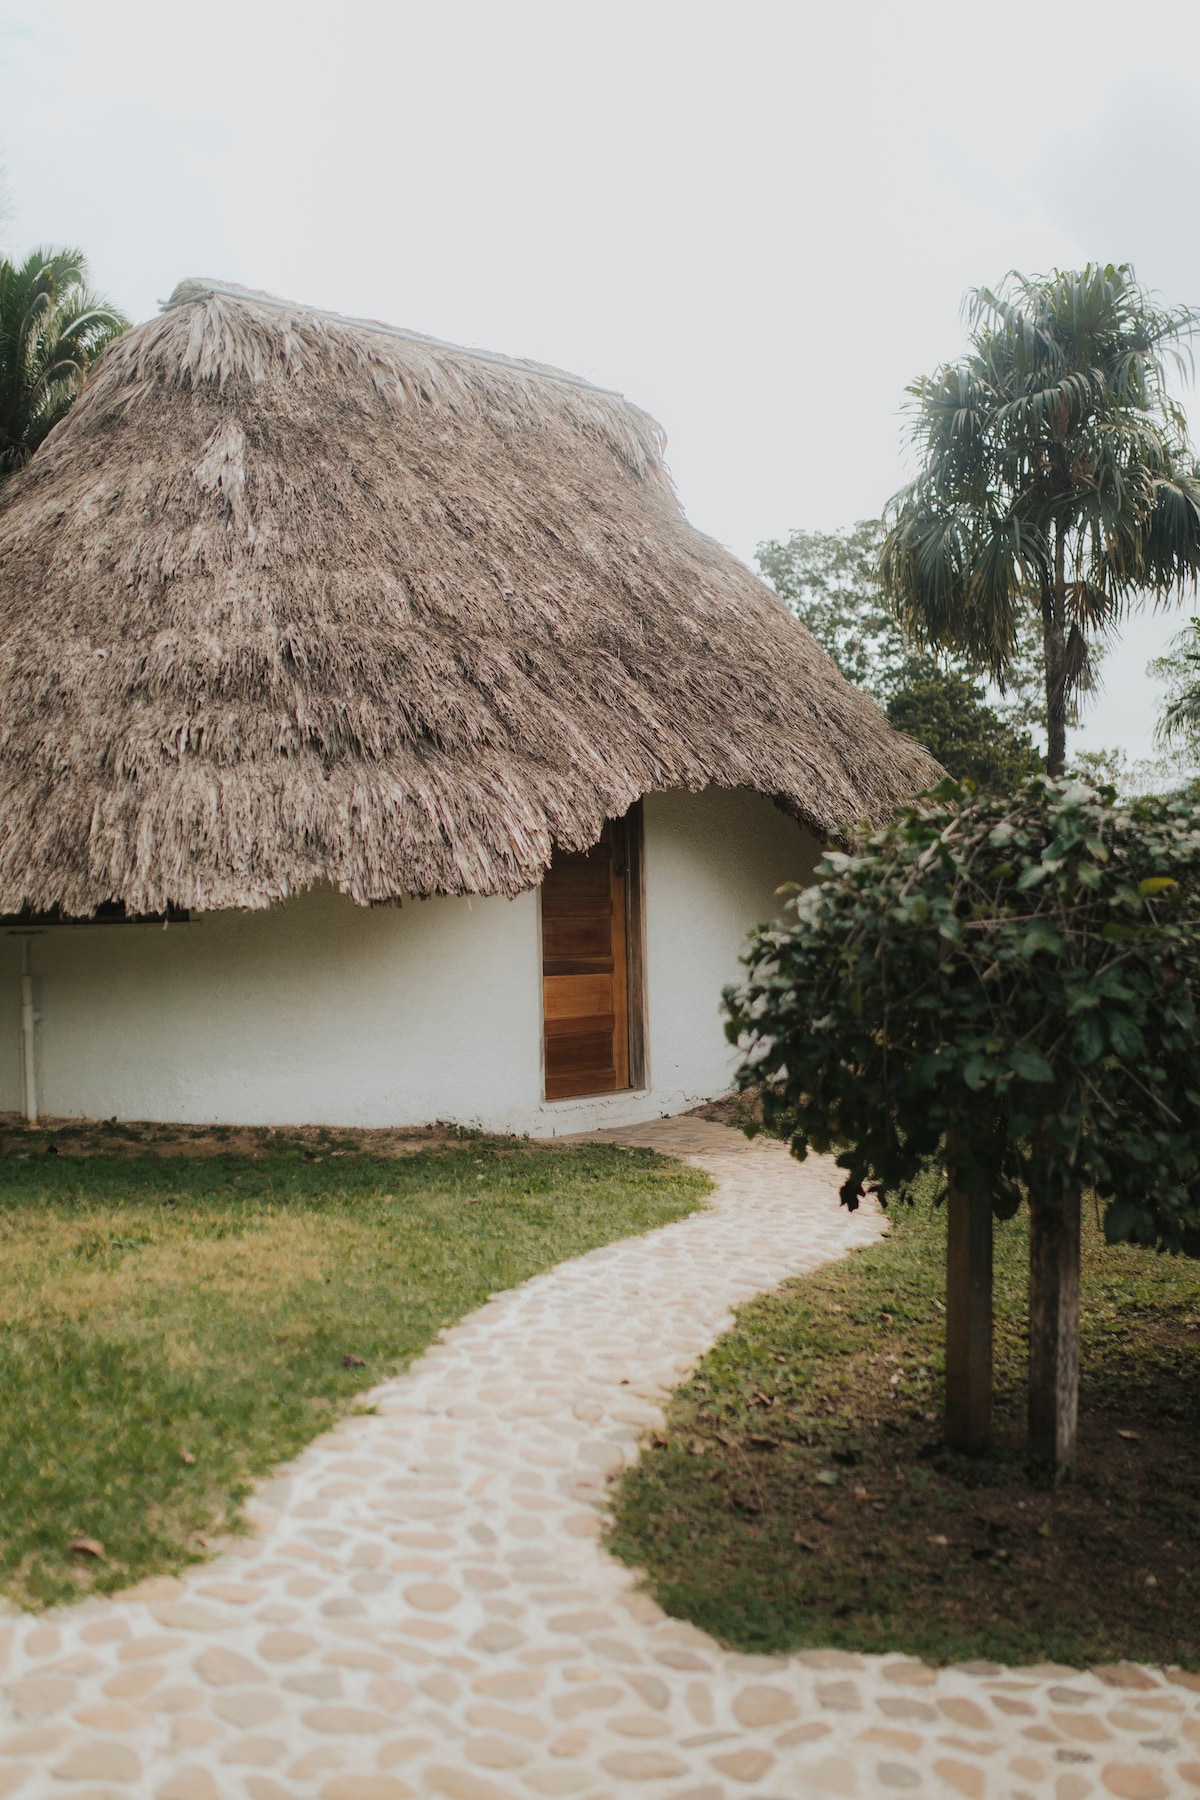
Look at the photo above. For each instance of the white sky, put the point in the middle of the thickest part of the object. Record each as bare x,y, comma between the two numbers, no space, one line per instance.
757,218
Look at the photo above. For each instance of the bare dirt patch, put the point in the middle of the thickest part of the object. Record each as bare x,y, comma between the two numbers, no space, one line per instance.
134,1137
736,1110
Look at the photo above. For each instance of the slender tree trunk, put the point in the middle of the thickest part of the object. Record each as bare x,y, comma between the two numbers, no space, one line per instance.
1054,646
968,1319
1054,1326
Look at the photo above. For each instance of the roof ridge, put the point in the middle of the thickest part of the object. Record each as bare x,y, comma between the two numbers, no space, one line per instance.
383,330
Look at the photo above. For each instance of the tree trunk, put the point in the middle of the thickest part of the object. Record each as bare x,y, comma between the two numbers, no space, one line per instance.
1054,649
968,1319
1053,1327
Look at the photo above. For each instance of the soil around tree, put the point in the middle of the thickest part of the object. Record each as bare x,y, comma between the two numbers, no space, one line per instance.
801,1496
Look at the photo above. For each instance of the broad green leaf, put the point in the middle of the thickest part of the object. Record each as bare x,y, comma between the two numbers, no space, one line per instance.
1030,1065
1041,936
1124,1036
1087,1040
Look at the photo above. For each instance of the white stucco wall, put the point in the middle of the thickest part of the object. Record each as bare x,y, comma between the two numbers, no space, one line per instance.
324,1012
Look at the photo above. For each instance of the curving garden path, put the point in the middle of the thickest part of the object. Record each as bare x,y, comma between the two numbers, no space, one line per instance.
424,1609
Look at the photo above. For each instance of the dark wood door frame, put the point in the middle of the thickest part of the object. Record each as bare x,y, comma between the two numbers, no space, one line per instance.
635,947
594,938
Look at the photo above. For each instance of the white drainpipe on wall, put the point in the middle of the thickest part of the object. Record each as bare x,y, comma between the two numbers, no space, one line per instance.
28,1021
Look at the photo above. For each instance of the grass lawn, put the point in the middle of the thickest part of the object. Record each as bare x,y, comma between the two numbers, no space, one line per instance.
800,1495
171,1325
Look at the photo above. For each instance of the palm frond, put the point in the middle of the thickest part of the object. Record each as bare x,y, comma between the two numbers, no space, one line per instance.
1055,473
52,328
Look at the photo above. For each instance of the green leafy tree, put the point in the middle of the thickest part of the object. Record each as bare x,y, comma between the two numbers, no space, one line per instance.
1179,669
52,327
830,579
948,713
1173,770
1057,487
1008,985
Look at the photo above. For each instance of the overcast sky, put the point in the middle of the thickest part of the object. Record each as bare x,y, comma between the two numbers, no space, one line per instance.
757,218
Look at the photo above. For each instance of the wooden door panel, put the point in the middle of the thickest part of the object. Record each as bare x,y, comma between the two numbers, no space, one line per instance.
572,997
580,1062
571,1084
584,973
579,1051
580,882
576,942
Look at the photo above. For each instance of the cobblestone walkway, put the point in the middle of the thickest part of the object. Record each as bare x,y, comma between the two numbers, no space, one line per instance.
425,1610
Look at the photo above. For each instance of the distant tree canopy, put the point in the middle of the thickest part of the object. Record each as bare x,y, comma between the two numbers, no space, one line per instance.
52,327
831,582
948,714
1179,669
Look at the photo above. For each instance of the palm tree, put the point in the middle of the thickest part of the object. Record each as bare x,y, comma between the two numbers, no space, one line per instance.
1057,487
52,327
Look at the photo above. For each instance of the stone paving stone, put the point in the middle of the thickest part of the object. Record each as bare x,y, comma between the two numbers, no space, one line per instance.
965,1778
130,1683
1134,1781
744,1765
423,1608
39,1696
366,1787
897,1775
839,1696
99,1760
188,1784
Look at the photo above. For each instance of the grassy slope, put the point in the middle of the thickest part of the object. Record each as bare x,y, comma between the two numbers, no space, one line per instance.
155,1309
801,1497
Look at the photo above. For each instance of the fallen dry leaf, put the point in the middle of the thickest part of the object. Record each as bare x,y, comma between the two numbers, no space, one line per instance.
87,1546
1131,1437
185,1456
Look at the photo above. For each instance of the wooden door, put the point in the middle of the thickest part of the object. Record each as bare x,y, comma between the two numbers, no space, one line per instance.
585,970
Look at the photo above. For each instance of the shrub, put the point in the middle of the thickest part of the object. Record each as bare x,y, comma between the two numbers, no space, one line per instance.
1008,984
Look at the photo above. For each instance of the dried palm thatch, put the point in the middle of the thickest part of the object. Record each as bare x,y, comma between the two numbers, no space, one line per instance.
290,597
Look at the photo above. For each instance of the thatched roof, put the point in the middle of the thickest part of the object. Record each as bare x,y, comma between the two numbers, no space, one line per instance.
289,597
